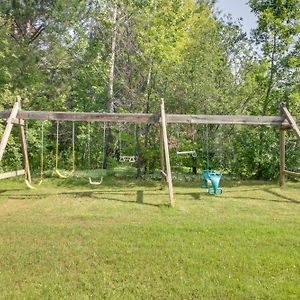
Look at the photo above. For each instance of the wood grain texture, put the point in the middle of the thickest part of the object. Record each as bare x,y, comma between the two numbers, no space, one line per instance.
8,128
166,151
149,118
162,157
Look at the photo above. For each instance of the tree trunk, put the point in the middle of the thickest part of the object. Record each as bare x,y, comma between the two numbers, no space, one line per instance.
147,126
262,133
112,60
110,103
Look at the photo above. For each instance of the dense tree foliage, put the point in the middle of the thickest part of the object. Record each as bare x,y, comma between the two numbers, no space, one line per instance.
125,55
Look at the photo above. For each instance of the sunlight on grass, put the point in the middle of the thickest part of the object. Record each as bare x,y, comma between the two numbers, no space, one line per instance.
70,240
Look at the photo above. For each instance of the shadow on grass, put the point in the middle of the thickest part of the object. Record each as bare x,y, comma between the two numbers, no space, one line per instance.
107,181
161,205
287,199
93,195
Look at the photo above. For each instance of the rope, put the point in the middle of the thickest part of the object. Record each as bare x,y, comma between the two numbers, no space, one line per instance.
89,147
56,147
221,148
104,144
89,159
42,153
73,146
135,140
207,148
57,155
120,141
202,139
194,133
26,130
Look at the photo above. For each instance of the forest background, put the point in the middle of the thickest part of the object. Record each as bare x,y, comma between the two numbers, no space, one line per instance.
125,55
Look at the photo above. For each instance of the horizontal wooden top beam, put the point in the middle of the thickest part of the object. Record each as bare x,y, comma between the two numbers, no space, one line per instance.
227,119
148,118
89,117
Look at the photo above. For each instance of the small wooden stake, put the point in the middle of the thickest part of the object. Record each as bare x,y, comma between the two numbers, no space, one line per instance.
282,157
166,151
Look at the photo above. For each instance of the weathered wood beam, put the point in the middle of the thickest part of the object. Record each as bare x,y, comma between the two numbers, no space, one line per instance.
149,118
292,174
162,157
8,128
290,119
89,116
12,174
226,119
4,114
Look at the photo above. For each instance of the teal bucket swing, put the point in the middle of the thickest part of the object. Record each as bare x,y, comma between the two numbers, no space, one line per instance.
211,178
211,181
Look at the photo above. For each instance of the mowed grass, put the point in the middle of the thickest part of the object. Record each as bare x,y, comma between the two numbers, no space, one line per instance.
68,240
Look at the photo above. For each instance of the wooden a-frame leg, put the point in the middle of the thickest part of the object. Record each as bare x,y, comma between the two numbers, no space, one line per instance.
8,128
162,157
166,152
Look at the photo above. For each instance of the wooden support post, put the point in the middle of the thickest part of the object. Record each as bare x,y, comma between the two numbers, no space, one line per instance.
166,151
24,145
162,157
140,196
8,128
282,157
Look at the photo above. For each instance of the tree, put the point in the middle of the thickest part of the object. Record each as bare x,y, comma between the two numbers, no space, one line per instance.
278,36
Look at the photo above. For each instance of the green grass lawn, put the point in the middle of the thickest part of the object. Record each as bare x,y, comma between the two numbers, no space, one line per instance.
68,240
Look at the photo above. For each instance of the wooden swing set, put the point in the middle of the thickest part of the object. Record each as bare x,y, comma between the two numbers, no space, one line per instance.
17,116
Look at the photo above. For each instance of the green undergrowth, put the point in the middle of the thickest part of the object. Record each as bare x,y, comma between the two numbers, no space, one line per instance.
69,240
